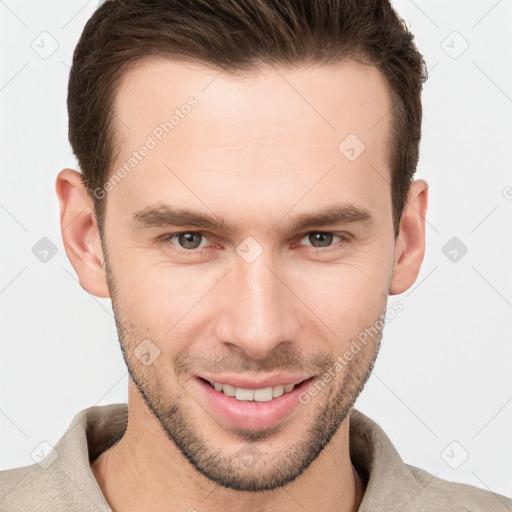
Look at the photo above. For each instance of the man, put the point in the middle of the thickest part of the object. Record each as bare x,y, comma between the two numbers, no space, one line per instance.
246,200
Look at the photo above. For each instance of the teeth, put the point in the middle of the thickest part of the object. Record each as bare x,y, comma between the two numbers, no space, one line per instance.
278,391
256,395
263,395
244,394
228,390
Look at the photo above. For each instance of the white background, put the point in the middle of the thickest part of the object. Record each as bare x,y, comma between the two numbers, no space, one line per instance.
443,373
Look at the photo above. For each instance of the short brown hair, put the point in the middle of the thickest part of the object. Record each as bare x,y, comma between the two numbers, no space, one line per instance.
239,36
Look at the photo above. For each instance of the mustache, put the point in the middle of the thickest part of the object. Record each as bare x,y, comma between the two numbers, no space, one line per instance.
284,359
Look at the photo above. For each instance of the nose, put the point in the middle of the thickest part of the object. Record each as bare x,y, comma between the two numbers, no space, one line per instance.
259,311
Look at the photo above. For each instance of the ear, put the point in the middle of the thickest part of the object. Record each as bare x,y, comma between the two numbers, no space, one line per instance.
80,232
410,243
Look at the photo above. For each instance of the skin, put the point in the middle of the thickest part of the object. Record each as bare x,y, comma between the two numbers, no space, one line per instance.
255,153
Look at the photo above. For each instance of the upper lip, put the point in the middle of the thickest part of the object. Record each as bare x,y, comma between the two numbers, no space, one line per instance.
247,382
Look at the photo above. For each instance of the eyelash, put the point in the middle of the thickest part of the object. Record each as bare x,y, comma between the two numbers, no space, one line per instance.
166,239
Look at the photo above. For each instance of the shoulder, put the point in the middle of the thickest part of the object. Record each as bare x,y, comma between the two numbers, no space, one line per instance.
444,495
36,488
27,488
63,480
393,485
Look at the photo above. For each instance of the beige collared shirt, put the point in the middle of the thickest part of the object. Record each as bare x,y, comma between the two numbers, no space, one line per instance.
63,481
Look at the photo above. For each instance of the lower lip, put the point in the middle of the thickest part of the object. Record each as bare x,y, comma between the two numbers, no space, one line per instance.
253,415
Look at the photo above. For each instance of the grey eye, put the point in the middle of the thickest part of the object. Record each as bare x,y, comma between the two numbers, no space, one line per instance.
189,240
320,239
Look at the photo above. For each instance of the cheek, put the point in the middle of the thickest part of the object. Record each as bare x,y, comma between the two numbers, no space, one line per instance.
347,297
161,301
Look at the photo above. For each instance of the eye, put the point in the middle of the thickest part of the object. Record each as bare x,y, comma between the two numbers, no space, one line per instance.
188,240
320,239
191,241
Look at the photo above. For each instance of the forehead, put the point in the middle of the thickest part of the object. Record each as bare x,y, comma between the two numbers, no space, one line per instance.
270,130
328,99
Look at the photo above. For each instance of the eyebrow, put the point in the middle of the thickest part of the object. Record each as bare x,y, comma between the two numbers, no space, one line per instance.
165,215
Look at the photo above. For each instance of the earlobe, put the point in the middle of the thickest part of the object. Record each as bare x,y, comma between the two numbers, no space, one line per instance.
80,233
410,243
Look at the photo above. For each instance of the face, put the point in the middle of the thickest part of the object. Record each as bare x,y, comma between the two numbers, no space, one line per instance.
247,246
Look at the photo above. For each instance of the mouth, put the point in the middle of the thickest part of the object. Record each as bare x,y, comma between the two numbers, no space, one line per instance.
252,409
243,394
